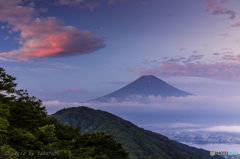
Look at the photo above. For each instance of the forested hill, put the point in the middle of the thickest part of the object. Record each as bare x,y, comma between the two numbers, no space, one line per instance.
139,142
27,132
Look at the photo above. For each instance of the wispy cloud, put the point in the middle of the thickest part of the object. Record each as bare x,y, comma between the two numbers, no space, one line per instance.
225,67
195,51
182,49
75,90
226,48
54,106
193,108
224,35
236,25
225,11
194,104
226,129
7,37
219,8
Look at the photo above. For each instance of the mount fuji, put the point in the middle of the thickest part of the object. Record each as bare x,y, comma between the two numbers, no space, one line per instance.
143,87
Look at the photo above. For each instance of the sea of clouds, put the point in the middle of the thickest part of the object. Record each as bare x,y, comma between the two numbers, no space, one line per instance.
200,113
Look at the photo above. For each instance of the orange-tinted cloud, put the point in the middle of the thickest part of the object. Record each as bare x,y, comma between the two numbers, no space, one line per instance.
212,4
224,35
75,90
45,37
236,25
226,48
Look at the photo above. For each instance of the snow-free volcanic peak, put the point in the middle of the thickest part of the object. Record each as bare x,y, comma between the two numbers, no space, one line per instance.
144,86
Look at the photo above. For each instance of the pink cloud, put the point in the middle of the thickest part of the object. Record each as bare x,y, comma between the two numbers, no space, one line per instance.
12,3
231,58
226,48
193,58
226,67
219,8
224,35
236,25
101,28
45,37
75,90
237,41
213,4
143,4
7,37
11,14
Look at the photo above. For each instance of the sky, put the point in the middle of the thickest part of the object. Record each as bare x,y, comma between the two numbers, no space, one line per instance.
70,51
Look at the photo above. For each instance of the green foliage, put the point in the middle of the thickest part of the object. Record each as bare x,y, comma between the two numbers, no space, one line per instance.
4,113
139,142
9,149
26,127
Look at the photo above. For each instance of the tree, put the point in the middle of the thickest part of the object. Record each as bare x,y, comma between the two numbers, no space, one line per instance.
25,126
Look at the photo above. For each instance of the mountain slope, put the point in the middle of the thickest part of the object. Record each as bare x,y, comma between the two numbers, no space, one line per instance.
139,142
144,86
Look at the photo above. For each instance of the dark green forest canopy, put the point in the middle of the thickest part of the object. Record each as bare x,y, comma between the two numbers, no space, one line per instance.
26,127
139,142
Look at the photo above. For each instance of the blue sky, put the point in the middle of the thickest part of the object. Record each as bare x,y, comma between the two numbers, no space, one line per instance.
69,51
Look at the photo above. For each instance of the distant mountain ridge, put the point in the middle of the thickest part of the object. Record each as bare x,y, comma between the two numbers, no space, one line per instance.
144,86
142,144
